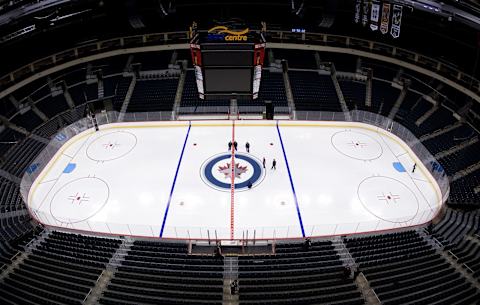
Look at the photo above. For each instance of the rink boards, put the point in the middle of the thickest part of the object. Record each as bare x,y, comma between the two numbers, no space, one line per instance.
174,180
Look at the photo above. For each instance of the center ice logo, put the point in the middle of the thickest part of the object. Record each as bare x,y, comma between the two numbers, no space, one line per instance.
216,171
238,170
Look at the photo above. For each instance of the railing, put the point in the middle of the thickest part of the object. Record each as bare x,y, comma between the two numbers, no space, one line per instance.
223,233
371,291
131,44
261,233
2,268
89,292
452,254
463,264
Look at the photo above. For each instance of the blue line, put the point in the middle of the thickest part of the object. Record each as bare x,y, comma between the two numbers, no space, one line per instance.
291,182
175,180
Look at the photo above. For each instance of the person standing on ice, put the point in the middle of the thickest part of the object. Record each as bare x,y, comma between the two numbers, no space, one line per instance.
274,164
414,167
264,162
235,144
229,145
247,147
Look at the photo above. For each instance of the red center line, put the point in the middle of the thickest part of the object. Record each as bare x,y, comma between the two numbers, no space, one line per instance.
232,186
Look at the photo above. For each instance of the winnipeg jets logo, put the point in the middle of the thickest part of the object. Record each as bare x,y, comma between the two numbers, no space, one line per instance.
246,169
227,171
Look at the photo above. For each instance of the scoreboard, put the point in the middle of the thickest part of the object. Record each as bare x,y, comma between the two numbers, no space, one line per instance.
228,62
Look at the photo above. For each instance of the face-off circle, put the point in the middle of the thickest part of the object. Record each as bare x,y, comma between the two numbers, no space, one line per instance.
356,145
111,146
386,198
80,198
216,171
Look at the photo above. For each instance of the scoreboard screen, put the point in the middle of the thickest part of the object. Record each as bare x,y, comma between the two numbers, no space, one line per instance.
235,80
227,58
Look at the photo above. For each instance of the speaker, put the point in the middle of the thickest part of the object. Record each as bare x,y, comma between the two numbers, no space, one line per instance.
269,110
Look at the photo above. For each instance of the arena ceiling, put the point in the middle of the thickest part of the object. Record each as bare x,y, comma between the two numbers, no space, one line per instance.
41,28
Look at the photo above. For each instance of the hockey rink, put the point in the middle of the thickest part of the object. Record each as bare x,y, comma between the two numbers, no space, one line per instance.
180,180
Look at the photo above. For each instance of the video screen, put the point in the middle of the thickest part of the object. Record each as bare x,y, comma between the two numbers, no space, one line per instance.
227,58
228,80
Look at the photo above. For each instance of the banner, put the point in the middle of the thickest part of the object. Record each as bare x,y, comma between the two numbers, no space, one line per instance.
385,18
366,10
358,7
374,15
396,21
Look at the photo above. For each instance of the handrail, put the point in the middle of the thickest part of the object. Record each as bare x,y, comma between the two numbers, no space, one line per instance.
437,242
452,254
98,278
466,266
371,289
88,294
2,267
140,43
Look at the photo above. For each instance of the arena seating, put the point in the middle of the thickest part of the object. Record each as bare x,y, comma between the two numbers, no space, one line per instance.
110,85
120,91
9,138
61,270
21,155
312,91
402,268
296,275
50,106
354,94
467,253
191,103
153,95
461,159
450,139
459,234
383,97
10,196
455,225
272,88
154,272
464,191
15,233
29,120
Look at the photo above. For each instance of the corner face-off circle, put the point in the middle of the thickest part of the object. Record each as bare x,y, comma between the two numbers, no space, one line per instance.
386,198
79,199
111,146
216,171
356,145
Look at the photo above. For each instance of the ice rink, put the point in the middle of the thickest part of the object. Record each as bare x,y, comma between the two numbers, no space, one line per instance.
176,180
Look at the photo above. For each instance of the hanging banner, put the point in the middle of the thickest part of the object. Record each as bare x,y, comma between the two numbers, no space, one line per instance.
358,7
374,15
385,18
366,6
396,21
